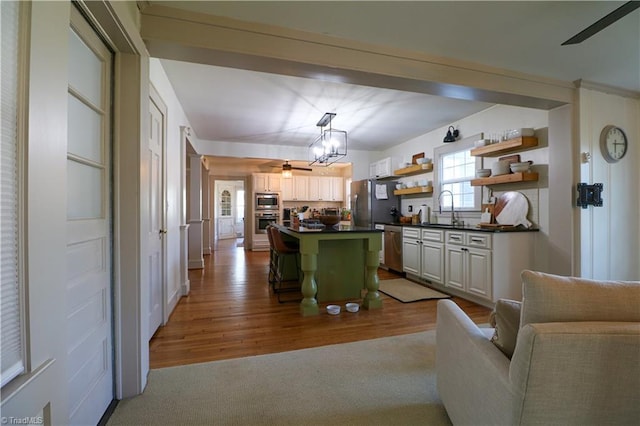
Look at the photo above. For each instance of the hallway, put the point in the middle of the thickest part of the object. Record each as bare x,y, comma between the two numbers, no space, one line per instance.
231,312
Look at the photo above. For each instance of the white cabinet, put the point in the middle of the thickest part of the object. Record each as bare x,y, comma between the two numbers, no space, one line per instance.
267,182
337,188
313,188
411,250
381,169
422,253
287,188
300,188
480,266
468,262
432,255
319,188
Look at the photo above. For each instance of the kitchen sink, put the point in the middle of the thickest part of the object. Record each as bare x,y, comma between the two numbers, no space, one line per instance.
442,225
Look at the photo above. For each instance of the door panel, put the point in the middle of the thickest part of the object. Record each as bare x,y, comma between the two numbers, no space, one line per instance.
225,210
155,259
89,378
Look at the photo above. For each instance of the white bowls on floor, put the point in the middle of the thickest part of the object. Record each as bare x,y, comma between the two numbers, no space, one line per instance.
352,307
333,309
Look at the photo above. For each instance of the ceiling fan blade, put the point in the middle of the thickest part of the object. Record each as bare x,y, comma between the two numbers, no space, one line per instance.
603,23
287,166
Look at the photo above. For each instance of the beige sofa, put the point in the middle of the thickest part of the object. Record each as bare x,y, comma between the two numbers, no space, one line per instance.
576,359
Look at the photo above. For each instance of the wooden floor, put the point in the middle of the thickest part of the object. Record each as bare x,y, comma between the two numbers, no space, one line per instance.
232,313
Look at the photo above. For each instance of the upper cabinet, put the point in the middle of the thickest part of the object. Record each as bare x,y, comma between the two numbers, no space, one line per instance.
381,169
267,182
300,188
337,188
313,188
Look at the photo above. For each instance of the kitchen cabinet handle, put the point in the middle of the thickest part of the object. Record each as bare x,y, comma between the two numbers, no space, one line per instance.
477,240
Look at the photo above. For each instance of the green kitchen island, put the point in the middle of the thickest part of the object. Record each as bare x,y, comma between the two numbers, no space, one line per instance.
337,262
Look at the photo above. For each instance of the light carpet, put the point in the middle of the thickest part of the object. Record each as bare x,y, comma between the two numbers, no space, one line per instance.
407,291
387,381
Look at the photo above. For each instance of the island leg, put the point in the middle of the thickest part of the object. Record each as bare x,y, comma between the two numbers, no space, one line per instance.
309,265
372,299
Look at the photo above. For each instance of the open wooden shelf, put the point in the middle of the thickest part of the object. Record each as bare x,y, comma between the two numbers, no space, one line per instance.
507,178
512,145
415,169
416,190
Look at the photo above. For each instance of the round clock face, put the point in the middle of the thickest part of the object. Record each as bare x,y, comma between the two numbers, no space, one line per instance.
613,143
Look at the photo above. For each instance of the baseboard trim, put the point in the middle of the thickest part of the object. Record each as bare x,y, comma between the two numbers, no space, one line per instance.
196,264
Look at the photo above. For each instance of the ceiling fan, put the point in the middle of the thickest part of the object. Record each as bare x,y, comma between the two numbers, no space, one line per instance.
288,167
603,23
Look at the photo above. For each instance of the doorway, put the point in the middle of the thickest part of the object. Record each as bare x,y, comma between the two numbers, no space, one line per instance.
89,318
229,209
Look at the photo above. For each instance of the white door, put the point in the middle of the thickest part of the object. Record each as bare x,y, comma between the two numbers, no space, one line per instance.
225,211
89,379
240,210
156,233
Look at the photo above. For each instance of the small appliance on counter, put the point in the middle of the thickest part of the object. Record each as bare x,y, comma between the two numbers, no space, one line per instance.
425,213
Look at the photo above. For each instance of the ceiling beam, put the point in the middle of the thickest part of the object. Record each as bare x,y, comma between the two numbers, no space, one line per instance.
213,40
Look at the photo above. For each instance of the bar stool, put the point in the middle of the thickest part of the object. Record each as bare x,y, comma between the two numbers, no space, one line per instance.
283,252
273,257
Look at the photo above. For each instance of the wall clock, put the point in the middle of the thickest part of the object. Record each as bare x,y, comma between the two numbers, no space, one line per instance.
613,143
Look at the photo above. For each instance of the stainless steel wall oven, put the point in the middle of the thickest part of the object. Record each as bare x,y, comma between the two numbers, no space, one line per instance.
263,219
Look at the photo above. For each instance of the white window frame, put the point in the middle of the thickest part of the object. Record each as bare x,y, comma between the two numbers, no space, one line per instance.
439,153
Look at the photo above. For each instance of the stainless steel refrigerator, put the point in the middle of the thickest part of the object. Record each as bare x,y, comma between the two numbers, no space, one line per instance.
374,202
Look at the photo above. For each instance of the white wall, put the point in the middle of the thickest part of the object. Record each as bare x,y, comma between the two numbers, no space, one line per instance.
610,235
175,118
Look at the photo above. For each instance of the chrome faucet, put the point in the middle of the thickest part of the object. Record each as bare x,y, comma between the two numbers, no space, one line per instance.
454,221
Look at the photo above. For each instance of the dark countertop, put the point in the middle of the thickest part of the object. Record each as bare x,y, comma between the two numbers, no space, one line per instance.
462,228
336,229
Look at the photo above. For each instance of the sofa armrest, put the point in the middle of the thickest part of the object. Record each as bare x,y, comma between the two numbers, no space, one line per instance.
472,373
582,373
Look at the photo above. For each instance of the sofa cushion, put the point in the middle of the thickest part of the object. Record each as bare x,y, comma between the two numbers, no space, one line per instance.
554,298
505,319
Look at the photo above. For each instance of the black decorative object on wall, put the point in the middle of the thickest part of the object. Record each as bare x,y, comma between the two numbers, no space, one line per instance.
452,134
589,195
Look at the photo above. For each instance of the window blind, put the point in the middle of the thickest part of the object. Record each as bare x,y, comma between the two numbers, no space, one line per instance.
12,340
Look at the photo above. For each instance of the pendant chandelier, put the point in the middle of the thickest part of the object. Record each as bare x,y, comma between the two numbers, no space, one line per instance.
330,146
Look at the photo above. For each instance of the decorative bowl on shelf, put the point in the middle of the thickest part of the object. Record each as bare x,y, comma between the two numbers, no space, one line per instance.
410,184
422,160
330,219
520,167
483,173
399,186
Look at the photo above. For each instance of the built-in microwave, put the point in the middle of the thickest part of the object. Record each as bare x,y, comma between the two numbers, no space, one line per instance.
267,201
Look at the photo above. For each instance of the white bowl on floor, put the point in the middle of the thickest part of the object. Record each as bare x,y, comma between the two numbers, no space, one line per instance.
333,309
352,307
